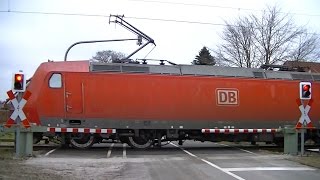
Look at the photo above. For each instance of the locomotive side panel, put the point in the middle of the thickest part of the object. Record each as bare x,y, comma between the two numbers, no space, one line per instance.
46,104
126,100
158,101
50,102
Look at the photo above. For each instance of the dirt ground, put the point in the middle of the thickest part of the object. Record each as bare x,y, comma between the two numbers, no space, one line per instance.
11,168
57,168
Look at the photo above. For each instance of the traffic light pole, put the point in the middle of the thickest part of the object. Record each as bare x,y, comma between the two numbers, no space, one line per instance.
302,131
18,130
24,137
304,121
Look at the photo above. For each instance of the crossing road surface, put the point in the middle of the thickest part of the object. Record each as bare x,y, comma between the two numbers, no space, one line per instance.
193,160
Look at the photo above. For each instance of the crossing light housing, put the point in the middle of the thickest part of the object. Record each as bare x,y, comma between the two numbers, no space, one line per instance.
305,90
18,82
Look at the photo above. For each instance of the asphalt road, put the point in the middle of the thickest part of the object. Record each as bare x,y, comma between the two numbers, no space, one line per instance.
193,160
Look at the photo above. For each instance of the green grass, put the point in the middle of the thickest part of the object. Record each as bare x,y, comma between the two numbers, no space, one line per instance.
4,114
6,154
6,137
311,160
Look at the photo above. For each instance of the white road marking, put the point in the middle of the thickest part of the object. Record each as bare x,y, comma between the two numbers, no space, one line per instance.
189,153
48,153
314,150
210,163
271,169
124,151
237,148
221,144
247,151
223,170
177,146
109,151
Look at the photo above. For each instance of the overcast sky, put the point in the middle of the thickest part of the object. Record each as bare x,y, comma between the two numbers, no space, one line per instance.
29,37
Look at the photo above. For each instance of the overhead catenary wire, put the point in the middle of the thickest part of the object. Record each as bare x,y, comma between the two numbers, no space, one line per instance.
107,16
129,17
194,5
54,13
217,6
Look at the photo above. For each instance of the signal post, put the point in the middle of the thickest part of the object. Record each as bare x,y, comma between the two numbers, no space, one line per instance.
304,123
23,135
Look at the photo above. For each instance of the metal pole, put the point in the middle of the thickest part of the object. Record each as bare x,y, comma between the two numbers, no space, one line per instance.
18,130
94,41
137,50
302,142
131,28
302,134
134,30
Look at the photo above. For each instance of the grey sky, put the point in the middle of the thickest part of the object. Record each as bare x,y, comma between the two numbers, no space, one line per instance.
27,39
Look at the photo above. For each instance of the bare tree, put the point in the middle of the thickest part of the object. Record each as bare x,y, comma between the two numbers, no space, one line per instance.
108,56
271,38
274,34
238,48
306,47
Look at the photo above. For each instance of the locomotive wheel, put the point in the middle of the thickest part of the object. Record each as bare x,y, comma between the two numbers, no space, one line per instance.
81,141
139,142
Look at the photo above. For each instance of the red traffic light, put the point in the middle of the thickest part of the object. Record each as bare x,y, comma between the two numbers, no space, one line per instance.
18,77
18,82
306,87
305,90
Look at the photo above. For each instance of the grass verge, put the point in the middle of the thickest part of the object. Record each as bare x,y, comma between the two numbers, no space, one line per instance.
312,160
6,137
6,153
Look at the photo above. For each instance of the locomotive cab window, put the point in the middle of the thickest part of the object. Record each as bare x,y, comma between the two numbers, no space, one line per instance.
55,81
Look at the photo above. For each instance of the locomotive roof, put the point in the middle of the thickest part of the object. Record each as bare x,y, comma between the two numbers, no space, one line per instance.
194,70
201,70
70,66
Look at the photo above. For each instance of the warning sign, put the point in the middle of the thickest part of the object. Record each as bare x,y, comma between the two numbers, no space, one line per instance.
304,120
18,109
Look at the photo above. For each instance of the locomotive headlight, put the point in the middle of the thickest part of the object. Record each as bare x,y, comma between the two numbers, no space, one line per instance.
305,90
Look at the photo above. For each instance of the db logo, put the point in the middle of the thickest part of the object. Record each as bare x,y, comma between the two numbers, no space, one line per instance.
227,97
